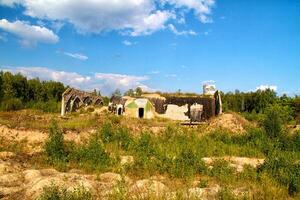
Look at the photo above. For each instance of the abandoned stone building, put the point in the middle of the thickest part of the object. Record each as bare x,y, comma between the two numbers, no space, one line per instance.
184,108
73,99
192,108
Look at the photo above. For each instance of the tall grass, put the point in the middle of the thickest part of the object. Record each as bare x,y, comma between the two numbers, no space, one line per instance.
177,152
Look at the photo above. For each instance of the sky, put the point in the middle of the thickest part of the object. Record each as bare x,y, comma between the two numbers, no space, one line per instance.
163,45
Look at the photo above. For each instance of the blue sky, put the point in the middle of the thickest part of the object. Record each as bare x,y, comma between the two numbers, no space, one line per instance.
156,44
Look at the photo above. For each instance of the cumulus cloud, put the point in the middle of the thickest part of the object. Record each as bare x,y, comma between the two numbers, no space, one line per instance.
176,32
139,17
265,87
130,17
104,82
29,34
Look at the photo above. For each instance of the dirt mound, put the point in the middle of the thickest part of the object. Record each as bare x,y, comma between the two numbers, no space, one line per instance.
228,121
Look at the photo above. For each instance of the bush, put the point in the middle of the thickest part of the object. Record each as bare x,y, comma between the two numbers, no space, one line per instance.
54,192
11,104
284,169
186,164
54,146
273,122
46,106
221,170
107,132
92,155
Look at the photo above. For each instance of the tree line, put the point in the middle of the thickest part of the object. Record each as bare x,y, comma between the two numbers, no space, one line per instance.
18,92
260,101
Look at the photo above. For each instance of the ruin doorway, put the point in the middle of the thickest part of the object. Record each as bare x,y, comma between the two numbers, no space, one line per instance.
141,112
120,111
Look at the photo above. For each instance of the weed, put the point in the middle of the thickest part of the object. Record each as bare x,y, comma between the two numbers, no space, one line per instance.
54,192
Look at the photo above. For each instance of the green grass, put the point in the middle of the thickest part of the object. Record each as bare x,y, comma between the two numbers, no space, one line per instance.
177,151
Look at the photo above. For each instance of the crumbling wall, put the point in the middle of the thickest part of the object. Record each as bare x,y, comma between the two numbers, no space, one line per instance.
176,112
194,108
72,99
209,104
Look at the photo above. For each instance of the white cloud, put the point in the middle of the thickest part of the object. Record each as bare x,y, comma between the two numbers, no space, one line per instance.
30,34
130,17
138,17
171,75
176,32
10,3
78,56
201,8
265,87
127,43
105,82
152,23
154,72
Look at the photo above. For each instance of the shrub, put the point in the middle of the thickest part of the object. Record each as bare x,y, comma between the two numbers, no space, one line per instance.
221,170
54,146
226,194
54,192
11,104
273,122
46,106
283,169
123,139
186,164
92,155
107,132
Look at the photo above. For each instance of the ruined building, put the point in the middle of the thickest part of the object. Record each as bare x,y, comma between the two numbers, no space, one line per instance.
73,99
176,107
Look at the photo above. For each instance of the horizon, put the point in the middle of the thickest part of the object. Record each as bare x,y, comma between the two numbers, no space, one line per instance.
163,45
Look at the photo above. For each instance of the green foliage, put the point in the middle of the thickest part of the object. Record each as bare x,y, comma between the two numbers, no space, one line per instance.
221,170
54,192
49,106
273,122
284,169
91,155
226,194
11,104
54,146
16,92
107,132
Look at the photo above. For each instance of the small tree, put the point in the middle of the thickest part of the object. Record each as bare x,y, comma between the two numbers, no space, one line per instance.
54,146
138,91
273,122
116,93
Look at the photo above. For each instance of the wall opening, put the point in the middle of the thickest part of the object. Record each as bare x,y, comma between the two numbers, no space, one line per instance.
141,112
119,111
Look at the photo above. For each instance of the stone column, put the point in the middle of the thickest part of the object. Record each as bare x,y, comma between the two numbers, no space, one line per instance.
63,106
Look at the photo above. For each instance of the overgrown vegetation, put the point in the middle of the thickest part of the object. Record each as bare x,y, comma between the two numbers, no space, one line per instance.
177,152
17,92
254,105
54,192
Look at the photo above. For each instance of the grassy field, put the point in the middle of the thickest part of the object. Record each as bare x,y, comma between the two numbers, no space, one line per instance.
172,151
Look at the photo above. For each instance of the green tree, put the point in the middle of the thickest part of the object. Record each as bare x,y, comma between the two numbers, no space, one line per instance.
138,91
129,92
117,93
273,122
